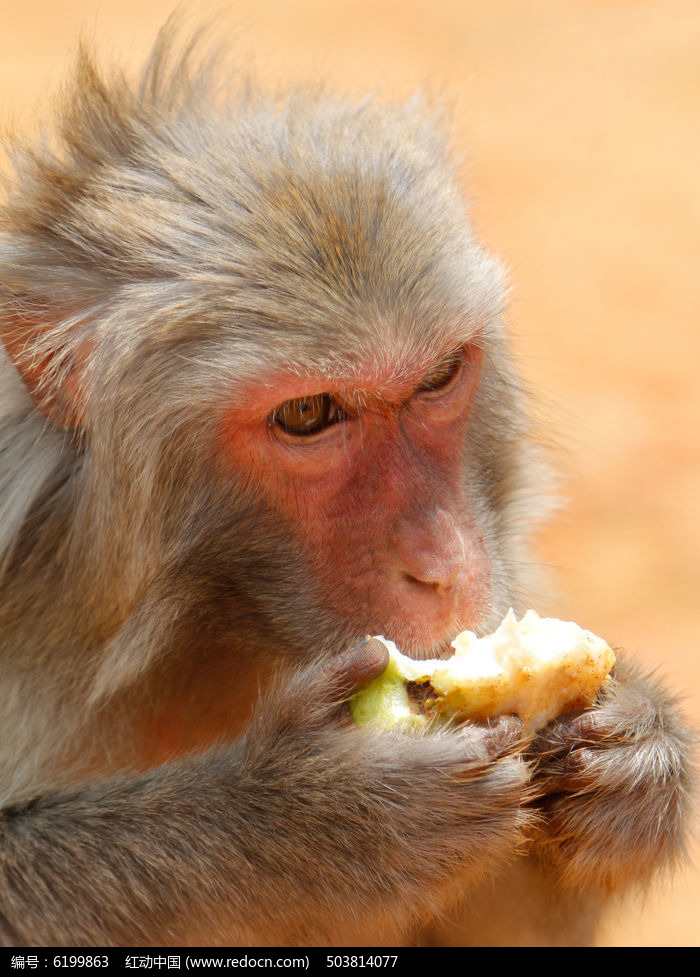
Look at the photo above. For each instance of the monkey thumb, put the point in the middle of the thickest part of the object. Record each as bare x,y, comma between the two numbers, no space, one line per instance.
364,660
314,695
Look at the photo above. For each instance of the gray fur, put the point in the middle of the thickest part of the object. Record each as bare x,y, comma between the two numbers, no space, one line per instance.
164,245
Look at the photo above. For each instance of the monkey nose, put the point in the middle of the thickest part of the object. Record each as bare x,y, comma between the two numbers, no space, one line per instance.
438,578
432,553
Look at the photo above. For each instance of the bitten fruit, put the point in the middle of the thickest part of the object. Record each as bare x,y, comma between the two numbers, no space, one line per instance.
536,668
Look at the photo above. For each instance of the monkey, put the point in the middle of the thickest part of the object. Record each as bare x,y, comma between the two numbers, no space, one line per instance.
257,403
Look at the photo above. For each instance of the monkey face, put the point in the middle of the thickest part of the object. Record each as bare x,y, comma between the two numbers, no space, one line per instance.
371,477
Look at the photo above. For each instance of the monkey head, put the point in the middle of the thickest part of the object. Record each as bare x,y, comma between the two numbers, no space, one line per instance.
282,369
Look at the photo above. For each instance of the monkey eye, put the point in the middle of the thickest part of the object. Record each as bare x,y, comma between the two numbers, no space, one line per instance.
307,415
443,374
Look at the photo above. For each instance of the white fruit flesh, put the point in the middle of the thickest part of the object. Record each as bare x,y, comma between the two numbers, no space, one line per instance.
537,669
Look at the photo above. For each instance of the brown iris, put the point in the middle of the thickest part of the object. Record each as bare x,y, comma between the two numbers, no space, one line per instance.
307,415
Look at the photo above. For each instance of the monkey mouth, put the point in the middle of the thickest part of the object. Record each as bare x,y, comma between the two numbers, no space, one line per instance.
420,644
442,650
425,628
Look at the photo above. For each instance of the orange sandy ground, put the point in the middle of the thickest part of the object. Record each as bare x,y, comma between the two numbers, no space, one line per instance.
580,122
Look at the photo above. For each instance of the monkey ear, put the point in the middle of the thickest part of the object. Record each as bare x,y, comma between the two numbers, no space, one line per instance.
52,367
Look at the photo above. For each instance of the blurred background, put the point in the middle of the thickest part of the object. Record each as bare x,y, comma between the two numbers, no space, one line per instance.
579,126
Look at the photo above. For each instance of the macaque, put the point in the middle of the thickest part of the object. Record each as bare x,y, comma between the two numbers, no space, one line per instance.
257,402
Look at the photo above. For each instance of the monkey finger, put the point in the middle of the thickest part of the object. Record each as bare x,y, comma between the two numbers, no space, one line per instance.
503,735
557,737
485,742
580,771
604,772
364,660
315,696
600,726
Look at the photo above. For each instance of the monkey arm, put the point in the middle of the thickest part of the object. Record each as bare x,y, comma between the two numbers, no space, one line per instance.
306,831
615,785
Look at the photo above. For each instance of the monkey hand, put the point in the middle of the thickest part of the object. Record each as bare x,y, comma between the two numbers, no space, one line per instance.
309,830
614,785
397,818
